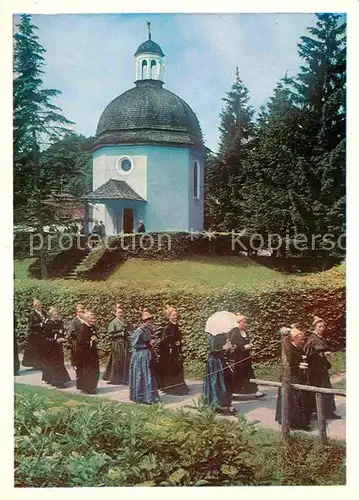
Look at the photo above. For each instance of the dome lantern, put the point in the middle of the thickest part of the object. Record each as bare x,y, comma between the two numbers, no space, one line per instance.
149,60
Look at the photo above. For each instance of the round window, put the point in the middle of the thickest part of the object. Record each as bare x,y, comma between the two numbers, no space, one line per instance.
124,165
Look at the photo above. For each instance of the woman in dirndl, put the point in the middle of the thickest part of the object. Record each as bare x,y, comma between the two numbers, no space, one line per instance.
299,416
318,351
117,370
170,376
143,386
217,384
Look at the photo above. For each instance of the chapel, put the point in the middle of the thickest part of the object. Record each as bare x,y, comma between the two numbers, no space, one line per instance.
148,157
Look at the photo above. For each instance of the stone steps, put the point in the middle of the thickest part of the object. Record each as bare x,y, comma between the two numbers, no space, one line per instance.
71,274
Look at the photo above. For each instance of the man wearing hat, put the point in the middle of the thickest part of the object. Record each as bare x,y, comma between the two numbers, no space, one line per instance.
241,360
143,387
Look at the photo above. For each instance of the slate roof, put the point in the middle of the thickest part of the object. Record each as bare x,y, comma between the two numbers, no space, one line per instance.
149,47
146,114
113,189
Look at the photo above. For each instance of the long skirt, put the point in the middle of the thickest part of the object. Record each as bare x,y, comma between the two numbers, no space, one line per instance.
169,375
320,378
143,387
242,372
58,374
16,357
32,352
299,415
217,383
45,356
118,366
88,369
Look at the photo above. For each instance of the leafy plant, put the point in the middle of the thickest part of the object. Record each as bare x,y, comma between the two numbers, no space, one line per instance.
62,442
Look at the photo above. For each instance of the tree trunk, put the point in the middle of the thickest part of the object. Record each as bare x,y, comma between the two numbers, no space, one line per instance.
43,253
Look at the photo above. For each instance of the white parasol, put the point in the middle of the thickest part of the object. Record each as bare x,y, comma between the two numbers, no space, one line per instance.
221,322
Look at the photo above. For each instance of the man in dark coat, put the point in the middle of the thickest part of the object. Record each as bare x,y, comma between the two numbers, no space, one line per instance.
241,360
72,332
102,230
88,368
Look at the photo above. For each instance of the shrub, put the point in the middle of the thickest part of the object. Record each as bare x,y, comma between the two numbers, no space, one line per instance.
95,443
268,307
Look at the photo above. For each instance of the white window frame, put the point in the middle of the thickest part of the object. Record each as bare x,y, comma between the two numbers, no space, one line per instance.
118,165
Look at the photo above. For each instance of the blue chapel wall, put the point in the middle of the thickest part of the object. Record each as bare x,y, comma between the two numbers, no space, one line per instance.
168,179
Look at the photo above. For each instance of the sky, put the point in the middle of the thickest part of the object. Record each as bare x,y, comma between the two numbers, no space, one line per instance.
90,58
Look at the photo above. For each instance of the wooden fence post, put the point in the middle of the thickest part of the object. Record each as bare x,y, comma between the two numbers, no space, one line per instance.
322,424
286,390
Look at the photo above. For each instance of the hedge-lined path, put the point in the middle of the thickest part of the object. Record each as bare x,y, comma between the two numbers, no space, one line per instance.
260,410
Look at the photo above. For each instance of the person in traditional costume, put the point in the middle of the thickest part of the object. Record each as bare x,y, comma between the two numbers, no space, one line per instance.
86,355
53,365
141,227
34,341
16,349
317,351
73,330
117,370
299,417
170,375
143,386
241,361
96,228
217,384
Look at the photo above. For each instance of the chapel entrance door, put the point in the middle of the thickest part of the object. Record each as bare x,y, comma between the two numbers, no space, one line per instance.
127,220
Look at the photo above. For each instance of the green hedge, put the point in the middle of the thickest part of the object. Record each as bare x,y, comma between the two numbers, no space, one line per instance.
66,441
268,307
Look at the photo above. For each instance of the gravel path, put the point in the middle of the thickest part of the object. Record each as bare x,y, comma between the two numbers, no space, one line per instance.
261,411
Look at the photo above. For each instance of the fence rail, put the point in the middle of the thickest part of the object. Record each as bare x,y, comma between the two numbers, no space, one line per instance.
308,388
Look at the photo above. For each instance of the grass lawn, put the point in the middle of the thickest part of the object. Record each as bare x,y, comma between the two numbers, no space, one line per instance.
199,272
21,268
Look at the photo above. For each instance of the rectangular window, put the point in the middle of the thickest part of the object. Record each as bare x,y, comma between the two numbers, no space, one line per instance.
196,180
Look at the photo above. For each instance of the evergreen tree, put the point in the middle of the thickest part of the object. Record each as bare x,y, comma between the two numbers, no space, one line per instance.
224,173
236,121
295,174
70,163
271,168
321,94
37,123
321,84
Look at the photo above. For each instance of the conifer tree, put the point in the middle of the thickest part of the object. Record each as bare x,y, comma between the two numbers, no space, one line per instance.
37,123
295,176
224,172
321,84
236,121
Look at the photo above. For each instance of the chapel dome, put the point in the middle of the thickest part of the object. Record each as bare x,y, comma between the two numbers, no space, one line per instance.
147,114
149,47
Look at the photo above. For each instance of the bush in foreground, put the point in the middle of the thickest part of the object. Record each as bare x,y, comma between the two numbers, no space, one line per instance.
80,441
